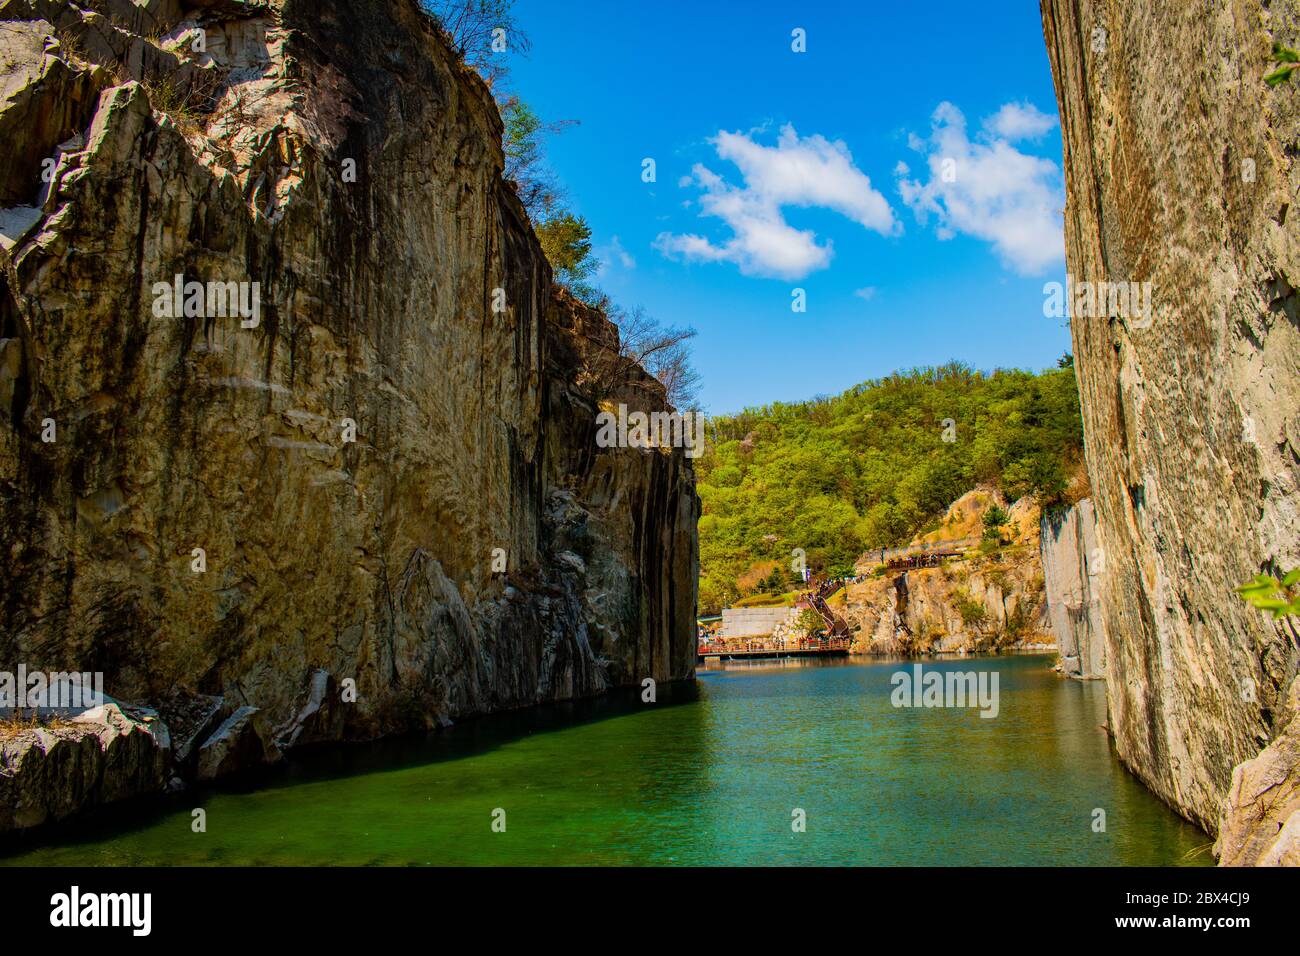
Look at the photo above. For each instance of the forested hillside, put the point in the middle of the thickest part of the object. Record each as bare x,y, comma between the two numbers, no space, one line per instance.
873,467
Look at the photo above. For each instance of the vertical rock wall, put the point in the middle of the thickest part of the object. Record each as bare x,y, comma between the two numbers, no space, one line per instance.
339,155
1072,562
1181,170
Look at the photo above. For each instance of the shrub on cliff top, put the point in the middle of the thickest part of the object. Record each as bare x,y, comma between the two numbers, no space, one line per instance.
479,31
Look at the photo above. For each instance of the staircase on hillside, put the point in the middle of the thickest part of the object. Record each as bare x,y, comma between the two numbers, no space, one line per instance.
836,626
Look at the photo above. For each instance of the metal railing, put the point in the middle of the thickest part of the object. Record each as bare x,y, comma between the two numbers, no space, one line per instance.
771,647
887,555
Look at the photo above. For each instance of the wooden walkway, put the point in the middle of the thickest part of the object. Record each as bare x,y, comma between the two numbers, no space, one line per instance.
836,626
832,648
917,555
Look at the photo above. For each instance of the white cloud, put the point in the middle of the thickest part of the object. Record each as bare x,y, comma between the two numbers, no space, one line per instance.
1016,121
611,254
617,251
866,293
812,172
989,189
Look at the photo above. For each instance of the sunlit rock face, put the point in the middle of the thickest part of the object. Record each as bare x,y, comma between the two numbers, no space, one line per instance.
1181,171
403,413
1072,563
1260,825
973,603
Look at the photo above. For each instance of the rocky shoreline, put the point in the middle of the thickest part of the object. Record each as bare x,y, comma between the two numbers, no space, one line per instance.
62,767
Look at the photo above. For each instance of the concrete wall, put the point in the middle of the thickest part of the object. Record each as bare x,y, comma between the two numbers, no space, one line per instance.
753,621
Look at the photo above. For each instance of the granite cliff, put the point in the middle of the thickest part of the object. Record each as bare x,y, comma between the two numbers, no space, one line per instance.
1072,562
1181,171
976,602
382,477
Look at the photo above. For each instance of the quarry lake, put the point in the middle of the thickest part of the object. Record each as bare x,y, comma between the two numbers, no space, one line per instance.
709,775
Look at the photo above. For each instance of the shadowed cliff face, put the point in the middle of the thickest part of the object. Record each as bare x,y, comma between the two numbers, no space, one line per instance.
337,155
1181,171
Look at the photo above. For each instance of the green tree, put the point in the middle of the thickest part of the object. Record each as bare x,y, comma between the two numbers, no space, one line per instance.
1017,479
566,240
810,623
522,136
995,518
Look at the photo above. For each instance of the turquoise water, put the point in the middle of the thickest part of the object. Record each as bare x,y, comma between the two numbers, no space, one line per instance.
708,775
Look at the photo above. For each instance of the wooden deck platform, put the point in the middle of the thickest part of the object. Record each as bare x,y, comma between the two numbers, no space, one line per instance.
829,649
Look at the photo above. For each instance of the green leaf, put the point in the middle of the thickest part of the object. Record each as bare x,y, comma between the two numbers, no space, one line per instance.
1291,578
1279,77
1271,604
1258,587
1284,54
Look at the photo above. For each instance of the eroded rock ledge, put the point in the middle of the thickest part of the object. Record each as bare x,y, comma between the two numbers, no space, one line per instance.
338,155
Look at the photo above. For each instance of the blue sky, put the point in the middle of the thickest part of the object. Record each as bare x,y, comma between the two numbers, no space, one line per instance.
778,170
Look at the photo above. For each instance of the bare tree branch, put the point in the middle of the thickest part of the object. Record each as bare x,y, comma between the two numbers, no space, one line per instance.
663,352
482,31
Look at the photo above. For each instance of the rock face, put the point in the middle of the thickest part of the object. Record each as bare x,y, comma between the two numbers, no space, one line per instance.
386,473
242,741
974,603
1181,170
104,755
1072,563
966,606
1261,814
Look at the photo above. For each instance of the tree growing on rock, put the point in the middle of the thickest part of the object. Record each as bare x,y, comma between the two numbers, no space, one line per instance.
995,520
481,31
644,342
566,240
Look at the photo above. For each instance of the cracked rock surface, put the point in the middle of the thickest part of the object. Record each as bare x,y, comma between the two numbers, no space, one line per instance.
1181,170
263,510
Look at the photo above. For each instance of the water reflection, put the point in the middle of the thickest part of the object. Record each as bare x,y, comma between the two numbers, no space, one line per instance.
710,774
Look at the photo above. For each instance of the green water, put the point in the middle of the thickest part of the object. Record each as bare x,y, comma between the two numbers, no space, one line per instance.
708,775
